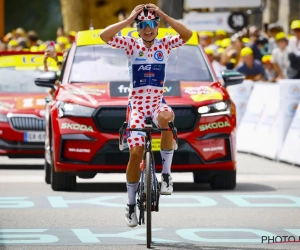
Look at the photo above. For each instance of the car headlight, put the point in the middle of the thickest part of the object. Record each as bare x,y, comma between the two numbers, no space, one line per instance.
69,109
3,118
218,108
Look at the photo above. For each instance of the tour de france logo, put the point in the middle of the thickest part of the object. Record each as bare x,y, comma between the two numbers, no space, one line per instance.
158,55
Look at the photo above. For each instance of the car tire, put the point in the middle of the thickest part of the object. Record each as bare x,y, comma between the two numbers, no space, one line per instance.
62,181
47,169
201,177
224,181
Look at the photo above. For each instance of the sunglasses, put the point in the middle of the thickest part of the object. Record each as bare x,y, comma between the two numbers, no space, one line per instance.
151,23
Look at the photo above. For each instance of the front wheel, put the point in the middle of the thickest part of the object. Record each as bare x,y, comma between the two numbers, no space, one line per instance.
148,197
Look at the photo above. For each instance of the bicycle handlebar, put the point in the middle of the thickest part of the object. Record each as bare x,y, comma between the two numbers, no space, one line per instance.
124,129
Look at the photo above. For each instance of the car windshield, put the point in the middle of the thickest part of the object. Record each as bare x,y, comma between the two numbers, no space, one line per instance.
19,80
103,63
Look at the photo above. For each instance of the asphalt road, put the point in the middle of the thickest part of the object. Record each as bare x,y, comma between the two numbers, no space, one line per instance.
264,207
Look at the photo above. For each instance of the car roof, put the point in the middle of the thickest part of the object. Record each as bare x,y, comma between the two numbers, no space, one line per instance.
91,37
29,61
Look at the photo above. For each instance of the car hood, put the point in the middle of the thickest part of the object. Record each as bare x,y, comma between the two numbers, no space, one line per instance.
116,93
23,103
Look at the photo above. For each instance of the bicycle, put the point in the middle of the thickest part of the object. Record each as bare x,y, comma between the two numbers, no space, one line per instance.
148,190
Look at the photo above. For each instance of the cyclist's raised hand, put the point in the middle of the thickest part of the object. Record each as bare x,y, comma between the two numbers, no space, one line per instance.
156,9
110,31
138,9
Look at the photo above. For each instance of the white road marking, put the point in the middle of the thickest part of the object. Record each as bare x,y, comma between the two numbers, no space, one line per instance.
177,177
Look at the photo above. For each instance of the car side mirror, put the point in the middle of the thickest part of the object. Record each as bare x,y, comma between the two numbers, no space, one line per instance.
46,79
232,77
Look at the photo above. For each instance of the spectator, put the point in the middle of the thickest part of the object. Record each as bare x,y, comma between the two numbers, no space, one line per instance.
254,37
33,39
293,71
233,50
3,46
252,69
42,47
71,36
262,45
269,68
62,41
12,45
60,32
19,33
220,35
53,55
212,56
273,30
253,31
7,37
294,44
280,55
20,36
34,49
225,43
206,40
246,41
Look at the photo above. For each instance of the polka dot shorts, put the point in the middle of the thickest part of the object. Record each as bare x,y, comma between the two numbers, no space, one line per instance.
136,118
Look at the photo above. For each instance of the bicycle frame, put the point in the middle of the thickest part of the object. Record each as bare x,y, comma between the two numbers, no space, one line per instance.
152,199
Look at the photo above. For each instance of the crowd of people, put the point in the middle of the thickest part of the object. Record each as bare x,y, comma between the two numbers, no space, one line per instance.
260,56
20,40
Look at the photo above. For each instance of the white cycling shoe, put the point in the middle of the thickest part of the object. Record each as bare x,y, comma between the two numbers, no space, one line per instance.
130,216
166,187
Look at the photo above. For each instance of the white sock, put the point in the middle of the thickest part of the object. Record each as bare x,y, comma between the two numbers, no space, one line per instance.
131,190
166,156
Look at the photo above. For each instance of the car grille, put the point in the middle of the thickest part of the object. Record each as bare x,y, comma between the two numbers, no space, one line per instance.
27,123
120,158
110,119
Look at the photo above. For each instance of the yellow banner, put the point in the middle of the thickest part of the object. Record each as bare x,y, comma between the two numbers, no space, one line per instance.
26,60
91,37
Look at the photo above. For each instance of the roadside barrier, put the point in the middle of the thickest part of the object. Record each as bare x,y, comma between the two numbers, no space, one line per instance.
268,125
240,95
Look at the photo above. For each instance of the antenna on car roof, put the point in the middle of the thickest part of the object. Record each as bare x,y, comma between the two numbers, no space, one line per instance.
91,20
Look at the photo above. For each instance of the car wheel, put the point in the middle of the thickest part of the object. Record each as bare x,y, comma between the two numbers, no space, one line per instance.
201,177
61,181
47,168
224,180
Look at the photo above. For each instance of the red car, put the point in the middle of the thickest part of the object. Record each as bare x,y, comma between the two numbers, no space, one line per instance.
89,107
22,105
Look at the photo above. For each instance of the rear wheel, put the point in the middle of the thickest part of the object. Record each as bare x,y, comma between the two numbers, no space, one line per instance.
148,198
47,169
224,181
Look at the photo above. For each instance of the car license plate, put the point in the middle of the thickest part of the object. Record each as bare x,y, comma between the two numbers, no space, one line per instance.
34,136
155,144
